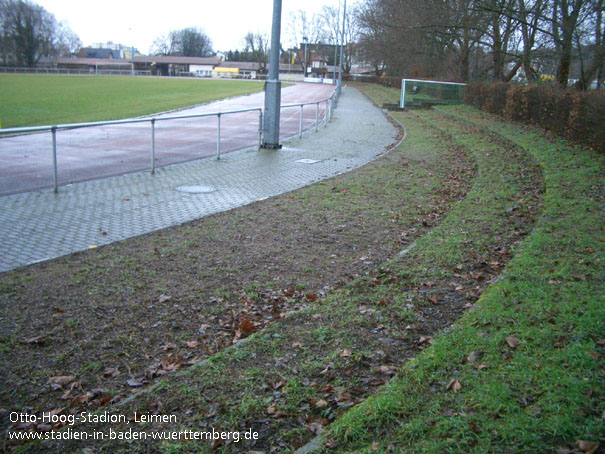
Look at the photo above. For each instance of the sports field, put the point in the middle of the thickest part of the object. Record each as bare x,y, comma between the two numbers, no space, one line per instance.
40,99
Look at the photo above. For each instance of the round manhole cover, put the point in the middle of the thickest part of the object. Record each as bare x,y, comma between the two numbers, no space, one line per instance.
196,189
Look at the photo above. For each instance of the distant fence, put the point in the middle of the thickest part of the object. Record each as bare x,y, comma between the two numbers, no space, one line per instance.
319,80
92,71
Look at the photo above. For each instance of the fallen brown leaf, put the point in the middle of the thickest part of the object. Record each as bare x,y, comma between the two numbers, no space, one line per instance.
474,356
246,327
385,370
512,341
38,340
315,428
60,381
134,383
321,403
426,340
163,298
111,372
84,398
453,385
588,447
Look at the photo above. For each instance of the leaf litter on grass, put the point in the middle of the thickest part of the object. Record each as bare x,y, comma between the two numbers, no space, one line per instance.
107,316
362,341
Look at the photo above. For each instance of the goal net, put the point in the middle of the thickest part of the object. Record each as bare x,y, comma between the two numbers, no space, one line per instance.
419,93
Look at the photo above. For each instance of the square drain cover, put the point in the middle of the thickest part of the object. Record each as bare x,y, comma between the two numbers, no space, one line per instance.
308,161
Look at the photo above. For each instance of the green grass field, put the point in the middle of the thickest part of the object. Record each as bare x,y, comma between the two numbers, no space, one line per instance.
31,100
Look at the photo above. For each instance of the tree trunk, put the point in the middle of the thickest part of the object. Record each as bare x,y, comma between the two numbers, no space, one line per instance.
569,22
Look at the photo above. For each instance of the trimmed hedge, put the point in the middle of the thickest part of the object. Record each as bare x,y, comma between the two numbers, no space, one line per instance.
576,115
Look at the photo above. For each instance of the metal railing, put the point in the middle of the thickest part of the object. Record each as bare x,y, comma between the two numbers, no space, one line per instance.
330,103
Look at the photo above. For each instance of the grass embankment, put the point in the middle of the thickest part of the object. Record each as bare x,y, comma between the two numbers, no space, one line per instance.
134,311
307,368
35,99
523,371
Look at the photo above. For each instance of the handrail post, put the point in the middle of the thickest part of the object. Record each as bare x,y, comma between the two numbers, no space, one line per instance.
316,116
326,114
55,180
218,137
260,128
300,126
153,146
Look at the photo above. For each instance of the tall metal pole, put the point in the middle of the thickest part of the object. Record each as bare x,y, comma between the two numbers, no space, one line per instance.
342,44
305,39
273,85
336,42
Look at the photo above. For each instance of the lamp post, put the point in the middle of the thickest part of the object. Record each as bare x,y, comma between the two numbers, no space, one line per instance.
336,43
306,40
273,85
342,43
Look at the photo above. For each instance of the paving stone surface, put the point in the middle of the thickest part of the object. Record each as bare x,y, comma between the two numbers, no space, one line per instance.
37,226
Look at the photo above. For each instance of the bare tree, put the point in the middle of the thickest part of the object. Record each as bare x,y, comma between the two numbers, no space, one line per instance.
370,47
330,20
566,16
430,38
501,36
596,52
530,16
68,42
187,42
256,49
29,32
301,26
194,42
461,25
160,45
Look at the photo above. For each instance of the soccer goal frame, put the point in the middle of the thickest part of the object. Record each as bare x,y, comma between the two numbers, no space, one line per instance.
404,81
118,64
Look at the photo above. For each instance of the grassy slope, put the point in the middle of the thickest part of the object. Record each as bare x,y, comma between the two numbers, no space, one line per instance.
529,398
545,392
29,99
337,348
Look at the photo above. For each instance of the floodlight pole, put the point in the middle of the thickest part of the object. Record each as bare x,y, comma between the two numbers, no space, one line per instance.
342,44
334,80
273,85
306,40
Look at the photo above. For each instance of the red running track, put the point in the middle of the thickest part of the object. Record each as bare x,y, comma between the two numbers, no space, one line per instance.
103,151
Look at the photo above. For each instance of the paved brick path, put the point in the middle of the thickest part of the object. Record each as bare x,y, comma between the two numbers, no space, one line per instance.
37,226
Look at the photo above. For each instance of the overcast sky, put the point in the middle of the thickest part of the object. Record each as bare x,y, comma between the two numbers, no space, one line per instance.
139,22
